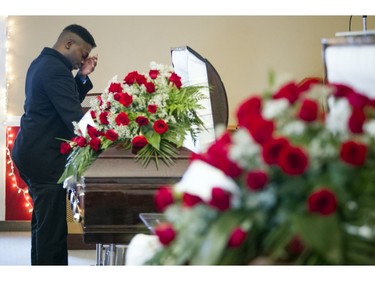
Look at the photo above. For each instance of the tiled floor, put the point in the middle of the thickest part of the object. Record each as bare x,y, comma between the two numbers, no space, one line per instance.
15,250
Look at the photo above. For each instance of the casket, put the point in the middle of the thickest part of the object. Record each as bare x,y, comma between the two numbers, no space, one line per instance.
117,189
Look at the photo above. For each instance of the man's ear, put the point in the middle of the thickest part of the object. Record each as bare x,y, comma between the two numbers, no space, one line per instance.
69,43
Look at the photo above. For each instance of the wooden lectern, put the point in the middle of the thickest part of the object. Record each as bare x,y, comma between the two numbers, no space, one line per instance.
117,189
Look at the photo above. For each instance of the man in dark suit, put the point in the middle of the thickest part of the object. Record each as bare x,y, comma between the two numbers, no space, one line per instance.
52,102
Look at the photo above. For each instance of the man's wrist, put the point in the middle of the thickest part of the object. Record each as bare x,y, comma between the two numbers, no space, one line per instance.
82,78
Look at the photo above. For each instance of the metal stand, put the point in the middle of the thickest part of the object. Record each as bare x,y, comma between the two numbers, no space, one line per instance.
113,254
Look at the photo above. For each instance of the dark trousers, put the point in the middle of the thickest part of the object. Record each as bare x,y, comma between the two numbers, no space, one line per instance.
49,228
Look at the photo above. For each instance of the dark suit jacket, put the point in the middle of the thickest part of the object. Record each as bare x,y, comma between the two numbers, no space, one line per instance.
53,102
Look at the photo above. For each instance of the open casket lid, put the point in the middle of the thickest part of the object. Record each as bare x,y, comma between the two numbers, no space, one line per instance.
196,70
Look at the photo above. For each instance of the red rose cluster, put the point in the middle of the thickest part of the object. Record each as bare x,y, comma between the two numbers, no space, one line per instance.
122,117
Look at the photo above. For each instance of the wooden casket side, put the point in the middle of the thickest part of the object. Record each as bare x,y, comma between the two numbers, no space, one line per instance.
118,189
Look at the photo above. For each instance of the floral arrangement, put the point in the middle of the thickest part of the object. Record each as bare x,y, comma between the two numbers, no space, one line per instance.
294,184
151,114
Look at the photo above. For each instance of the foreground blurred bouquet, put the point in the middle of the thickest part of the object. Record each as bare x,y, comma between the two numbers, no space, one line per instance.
294,183
151,114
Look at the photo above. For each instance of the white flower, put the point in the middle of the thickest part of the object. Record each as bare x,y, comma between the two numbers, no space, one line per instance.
244,149
200,178
338,115
274,108
369,128
296,128
319,92
141,248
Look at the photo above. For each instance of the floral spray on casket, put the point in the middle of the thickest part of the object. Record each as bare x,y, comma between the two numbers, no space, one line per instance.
295,183
151,114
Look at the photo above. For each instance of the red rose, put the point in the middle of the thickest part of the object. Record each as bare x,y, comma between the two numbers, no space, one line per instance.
117,96
308,111
272,148
99,98
95,144
160,126
139,141
122,119
289,91
341,90
140,79
111,135
130,78
93,132
190,200
126,99
115,88
293,160
357,100
306,83
108,105
141,121
249,108
322,201
103,117
154,73
65,148
295,246
220,199
176,80
356,121
165,233
256,179
151,108
353,153
261,129
93,114
80,141
163,198
217,156
150,87
237,237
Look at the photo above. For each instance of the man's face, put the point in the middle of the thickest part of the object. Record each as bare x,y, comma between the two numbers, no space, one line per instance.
78,52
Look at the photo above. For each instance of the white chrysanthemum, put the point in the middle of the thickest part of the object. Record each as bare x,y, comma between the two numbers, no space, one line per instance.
243,149
296,128
274,108
338,115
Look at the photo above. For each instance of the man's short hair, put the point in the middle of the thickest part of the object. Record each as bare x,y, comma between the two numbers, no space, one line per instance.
81,32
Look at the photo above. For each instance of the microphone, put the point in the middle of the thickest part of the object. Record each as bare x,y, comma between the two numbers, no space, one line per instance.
364,23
